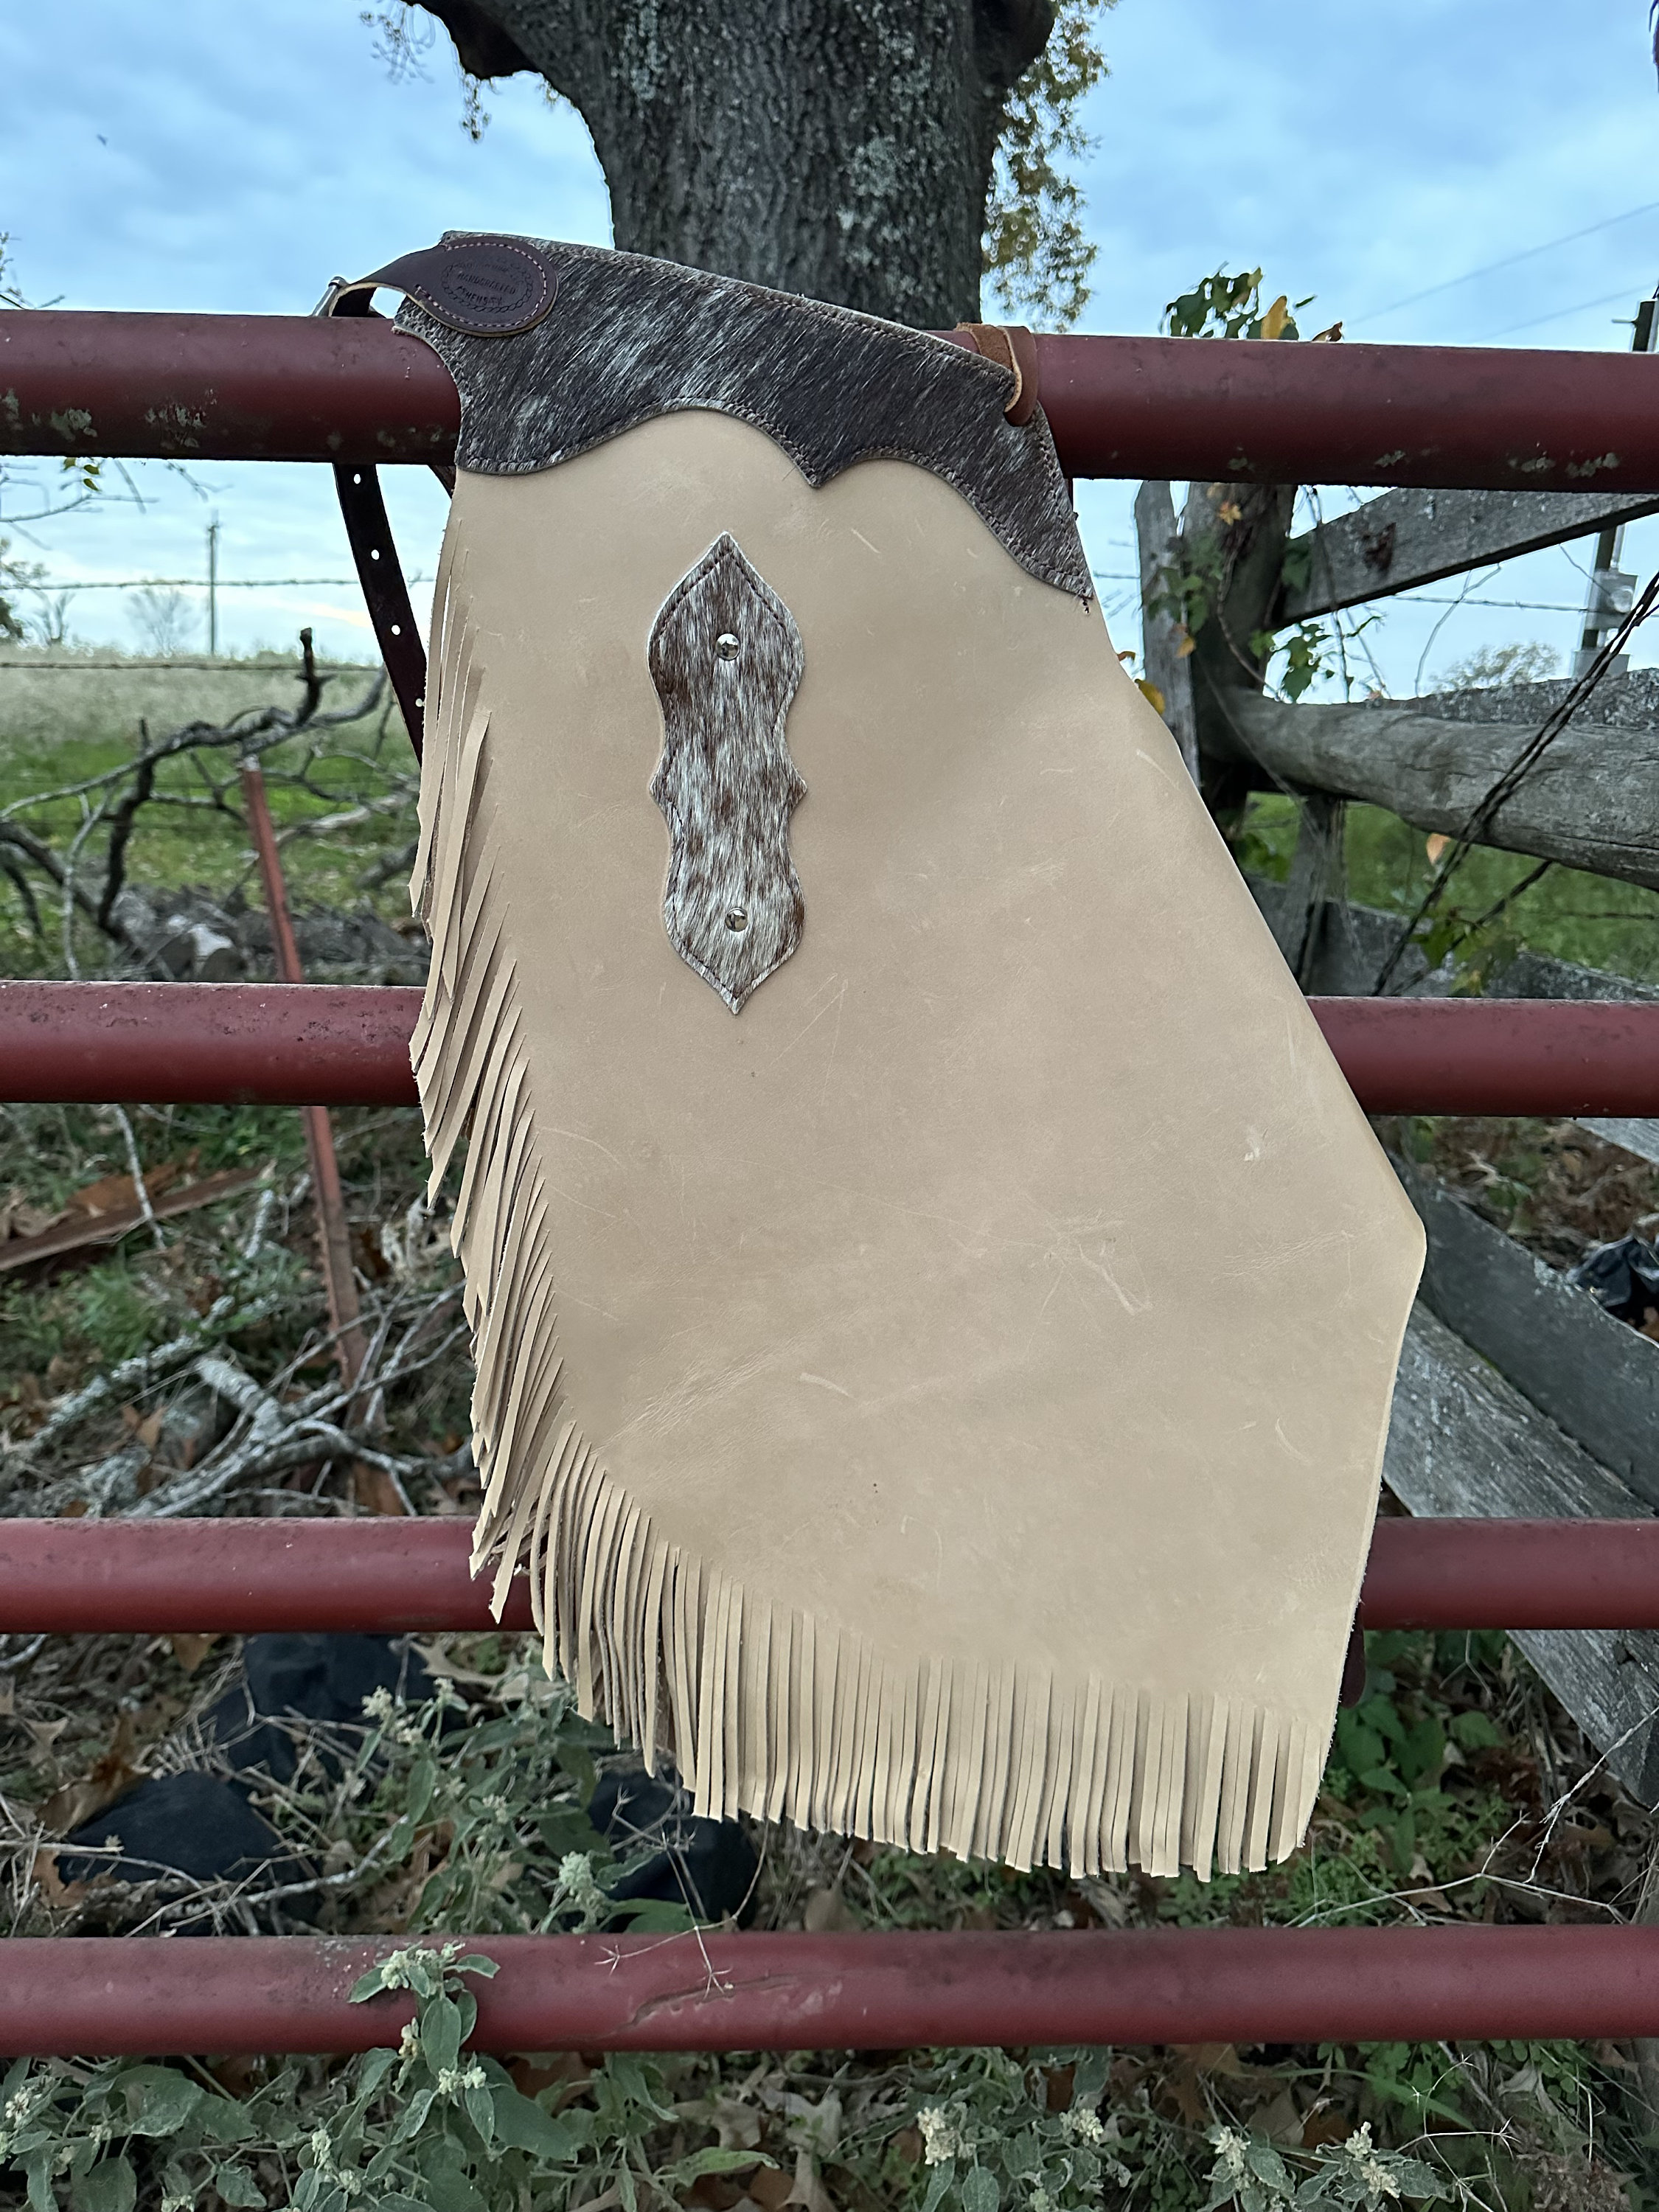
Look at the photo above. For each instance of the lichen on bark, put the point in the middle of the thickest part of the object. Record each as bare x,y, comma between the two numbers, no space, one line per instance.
844,153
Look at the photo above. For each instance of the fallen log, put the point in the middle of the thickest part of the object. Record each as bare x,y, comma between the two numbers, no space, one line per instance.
1588,803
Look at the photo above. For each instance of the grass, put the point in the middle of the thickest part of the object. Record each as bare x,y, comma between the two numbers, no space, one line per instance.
1571,916
1458,1791
62,725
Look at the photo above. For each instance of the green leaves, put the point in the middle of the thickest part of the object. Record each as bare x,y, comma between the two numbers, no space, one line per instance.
521,2124
1036,251
1223,306
160,2101
238,2188
111,2186
1355,2175
979,2191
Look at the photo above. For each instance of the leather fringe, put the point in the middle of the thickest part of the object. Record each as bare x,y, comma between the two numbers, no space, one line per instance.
762,1710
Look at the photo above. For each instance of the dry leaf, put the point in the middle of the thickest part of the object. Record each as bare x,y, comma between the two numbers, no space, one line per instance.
1331,336
772,2188
18,1218
111,1775
113,1194
808,2188
1280,2121
1149,692
1436,846
1274,322
190,1649
373,1490
1183,2090
714,2192
143,1428
828,1913
1188,645
51,1883
1213,2058
535,2071
107,1210
1231,511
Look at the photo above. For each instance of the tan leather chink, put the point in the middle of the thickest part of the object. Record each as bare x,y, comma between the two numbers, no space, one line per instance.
940,1399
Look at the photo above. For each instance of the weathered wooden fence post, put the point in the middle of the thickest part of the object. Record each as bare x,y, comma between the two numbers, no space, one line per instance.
1162,634
1232,541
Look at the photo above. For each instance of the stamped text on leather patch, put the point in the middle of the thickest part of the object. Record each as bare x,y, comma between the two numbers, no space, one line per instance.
488,286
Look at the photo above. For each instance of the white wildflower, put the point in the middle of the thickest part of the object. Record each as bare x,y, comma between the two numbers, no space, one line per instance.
1082,2124
395,1972
408,2042
453,2080
377,1705
578,1884
1230,2145
1372,2172
941,2138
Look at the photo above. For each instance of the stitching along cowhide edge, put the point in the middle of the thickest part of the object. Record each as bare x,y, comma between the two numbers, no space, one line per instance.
627,338
876,1456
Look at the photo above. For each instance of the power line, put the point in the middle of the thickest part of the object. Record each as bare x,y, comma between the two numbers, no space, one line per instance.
1490,268
180,583
1555,315
223,667
1451,599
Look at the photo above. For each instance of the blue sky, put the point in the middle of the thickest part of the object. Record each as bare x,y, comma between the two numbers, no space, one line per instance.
1364,154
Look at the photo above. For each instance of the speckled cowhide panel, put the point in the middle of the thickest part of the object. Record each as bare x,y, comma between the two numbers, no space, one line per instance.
725,657
627,338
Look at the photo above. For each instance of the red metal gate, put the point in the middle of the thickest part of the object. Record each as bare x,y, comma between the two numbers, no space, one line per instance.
236,387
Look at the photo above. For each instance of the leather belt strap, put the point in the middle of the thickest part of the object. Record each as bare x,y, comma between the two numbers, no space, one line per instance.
1013,348
491,288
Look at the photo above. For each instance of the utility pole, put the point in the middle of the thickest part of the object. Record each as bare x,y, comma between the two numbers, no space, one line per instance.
1613,589
212,587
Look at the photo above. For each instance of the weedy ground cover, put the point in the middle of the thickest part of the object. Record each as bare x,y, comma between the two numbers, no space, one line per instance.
1569,913
190,1372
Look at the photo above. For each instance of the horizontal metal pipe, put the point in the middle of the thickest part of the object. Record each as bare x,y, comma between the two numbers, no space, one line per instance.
291,388
348,1045
103,1996
1495,1056
223,388
281,1044
225,1577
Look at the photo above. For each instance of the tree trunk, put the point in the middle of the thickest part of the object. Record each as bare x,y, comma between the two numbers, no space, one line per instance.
840,151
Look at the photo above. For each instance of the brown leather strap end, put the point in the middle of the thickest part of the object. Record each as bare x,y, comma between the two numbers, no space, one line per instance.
1012,347
489,288
386,594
